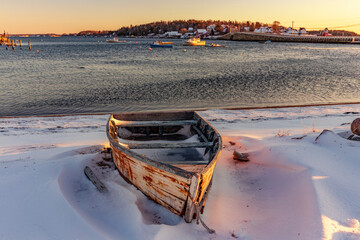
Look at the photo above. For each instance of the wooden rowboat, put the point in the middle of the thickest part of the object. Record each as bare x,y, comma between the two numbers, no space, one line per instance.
170,157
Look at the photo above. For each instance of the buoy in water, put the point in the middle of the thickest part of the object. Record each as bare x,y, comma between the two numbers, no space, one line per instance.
185,50
150,48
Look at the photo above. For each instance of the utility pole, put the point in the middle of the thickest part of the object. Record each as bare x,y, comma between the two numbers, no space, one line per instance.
292,27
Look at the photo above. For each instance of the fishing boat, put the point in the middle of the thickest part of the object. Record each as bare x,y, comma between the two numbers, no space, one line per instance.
161,44
194,42
216,45
169,156
267,41
115,40
165,43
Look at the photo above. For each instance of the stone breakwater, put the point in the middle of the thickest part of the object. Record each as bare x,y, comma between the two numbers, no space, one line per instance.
260,37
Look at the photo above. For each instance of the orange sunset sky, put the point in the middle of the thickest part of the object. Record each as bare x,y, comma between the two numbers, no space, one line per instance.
72,16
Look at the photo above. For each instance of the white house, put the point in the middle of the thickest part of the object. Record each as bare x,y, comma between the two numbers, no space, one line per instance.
263,30
172,34
210,27
290,31
302,31
201,31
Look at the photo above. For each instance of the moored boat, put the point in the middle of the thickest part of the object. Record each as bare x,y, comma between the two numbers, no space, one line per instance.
115,40
165,43
169,156
216,45
161,44
194,42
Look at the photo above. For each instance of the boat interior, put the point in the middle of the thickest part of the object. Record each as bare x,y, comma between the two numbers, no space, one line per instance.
187,144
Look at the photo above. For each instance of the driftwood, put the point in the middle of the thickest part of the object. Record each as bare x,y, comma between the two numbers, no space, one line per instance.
244,157
95,180
355,126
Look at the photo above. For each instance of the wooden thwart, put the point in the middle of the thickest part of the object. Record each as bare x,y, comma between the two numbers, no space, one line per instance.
200,134
154,123
169,145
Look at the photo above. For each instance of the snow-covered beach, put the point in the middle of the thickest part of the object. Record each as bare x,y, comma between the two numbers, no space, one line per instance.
297,184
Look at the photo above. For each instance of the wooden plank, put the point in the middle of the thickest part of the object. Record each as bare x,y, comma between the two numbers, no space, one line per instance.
163,187
190,205
95,180
169,145
203,201
159,116
153,123
200,134
194,168
186,162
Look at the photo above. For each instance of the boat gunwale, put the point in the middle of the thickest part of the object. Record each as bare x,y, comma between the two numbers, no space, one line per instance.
161,165
216,156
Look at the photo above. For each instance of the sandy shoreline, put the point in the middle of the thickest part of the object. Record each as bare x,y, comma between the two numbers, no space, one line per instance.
200,109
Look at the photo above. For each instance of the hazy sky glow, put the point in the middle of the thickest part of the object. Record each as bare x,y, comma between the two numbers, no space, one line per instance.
72,16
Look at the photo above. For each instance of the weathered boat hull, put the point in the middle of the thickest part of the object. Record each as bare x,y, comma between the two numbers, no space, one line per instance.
181,188
161,45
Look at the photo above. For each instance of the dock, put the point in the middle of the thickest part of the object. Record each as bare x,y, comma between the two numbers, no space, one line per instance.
261,37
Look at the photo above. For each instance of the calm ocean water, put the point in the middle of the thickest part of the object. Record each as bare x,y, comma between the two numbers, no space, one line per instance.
86,75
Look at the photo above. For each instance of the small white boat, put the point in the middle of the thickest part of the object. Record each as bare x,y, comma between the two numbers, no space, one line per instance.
115,40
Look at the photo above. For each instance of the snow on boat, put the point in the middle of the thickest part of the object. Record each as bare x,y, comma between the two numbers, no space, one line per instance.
169,156
194,42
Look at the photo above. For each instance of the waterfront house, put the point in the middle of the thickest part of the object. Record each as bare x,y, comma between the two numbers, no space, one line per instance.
302,31
325,32
173,34
201,33
263,30
290,31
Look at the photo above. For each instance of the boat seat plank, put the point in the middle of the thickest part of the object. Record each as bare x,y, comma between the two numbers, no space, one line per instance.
194,168
185,162
154,123
169,145
200,134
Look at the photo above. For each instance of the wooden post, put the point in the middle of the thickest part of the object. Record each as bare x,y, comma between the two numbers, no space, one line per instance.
190,205
30,45
20,43
13,44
